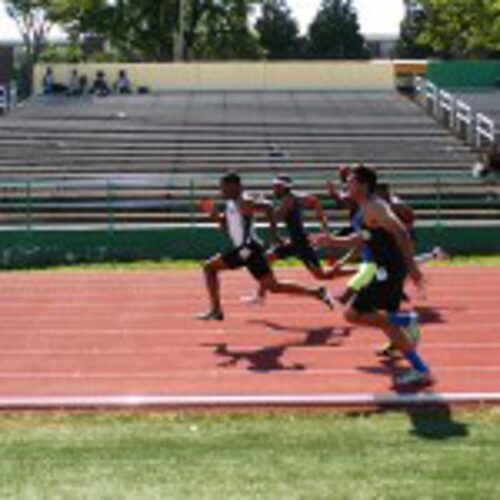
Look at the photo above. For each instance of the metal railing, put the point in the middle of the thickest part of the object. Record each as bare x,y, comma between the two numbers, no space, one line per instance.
4,99
485,130
476,128
27,205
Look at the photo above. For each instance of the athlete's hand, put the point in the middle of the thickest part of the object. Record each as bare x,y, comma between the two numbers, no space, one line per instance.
207,206
417,277
322,240
344,173
332,189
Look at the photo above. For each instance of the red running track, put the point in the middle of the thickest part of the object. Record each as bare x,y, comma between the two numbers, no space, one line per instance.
87,338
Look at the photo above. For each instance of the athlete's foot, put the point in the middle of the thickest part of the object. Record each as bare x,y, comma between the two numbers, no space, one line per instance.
413,378
211,316
326,298
390,352
254,300
439,254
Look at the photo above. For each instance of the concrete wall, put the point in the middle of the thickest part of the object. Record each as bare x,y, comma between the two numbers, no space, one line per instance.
24,249
241,76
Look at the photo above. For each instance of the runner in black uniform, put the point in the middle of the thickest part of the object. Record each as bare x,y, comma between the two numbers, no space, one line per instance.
390,246
291,212
248,252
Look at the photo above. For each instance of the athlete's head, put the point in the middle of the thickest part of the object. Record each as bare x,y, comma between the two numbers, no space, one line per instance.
362,182
282,185
383,191
230,186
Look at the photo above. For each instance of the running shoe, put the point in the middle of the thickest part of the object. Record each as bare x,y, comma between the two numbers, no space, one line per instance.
211,316
414,378
326,298
254,300
389,351
439,254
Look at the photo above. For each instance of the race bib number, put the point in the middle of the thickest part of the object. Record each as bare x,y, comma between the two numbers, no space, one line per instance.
245,253
382,274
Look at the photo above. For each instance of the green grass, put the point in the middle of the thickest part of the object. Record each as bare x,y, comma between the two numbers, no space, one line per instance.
428,455
173,265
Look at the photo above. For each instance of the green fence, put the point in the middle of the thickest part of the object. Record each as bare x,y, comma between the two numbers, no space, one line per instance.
457,74
29,243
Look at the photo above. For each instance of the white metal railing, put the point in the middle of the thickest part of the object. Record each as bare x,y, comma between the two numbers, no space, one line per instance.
4,99
447,107
464,120
431,97
476,128
485,130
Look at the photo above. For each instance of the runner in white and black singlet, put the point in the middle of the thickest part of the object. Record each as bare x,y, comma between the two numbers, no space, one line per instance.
248,252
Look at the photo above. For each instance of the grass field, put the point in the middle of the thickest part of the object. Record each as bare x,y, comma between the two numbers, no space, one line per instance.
419,455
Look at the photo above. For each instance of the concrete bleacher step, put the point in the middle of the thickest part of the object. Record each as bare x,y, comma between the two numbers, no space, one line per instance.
185,140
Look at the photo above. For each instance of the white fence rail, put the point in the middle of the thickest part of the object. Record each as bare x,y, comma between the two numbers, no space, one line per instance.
485,130
475,127
4,99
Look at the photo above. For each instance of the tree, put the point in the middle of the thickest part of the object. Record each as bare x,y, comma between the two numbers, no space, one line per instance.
335,32
34,26
223,31
278,30
461,28
146,30
408,46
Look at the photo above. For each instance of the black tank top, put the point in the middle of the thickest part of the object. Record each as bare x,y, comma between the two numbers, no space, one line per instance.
385,251
294,221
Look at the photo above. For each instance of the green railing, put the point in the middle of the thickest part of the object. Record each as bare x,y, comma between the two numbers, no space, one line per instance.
86,218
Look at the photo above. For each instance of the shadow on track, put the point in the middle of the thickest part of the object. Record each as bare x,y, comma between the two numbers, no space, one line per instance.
267,359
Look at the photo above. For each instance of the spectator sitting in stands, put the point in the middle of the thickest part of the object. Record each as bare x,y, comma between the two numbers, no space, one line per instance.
100,86
48,82
75,84
123,85
50,87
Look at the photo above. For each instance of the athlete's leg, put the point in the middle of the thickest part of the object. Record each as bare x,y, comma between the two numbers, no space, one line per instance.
211,270
272,285
420,372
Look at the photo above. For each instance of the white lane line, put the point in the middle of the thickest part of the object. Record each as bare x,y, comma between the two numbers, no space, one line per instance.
331,349
232,372
355,399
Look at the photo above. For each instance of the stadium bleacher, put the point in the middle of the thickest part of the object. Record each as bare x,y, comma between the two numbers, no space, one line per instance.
145,159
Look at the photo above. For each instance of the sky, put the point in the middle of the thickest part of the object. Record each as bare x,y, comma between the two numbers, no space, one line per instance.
372,22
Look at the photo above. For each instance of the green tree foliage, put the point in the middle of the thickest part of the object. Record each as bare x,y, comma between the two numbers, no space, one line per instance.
412,25
335,32
146,30
460,28
279,31
34,25
221,31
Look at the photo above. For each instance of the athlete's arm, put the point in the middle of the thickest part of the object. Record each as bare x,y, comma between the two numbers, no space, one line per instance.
313,203
208,206
405,213
264,206
282,211
352,241
379,214
341,198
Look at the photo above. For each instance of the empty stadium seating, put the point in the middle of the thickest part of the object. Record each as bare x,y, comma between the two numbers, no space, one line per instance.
145,159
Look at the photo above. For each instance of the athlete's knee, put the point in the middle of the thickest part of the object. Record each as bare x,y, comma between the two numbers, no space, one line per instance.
209,268
351,315
318,273
269,284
